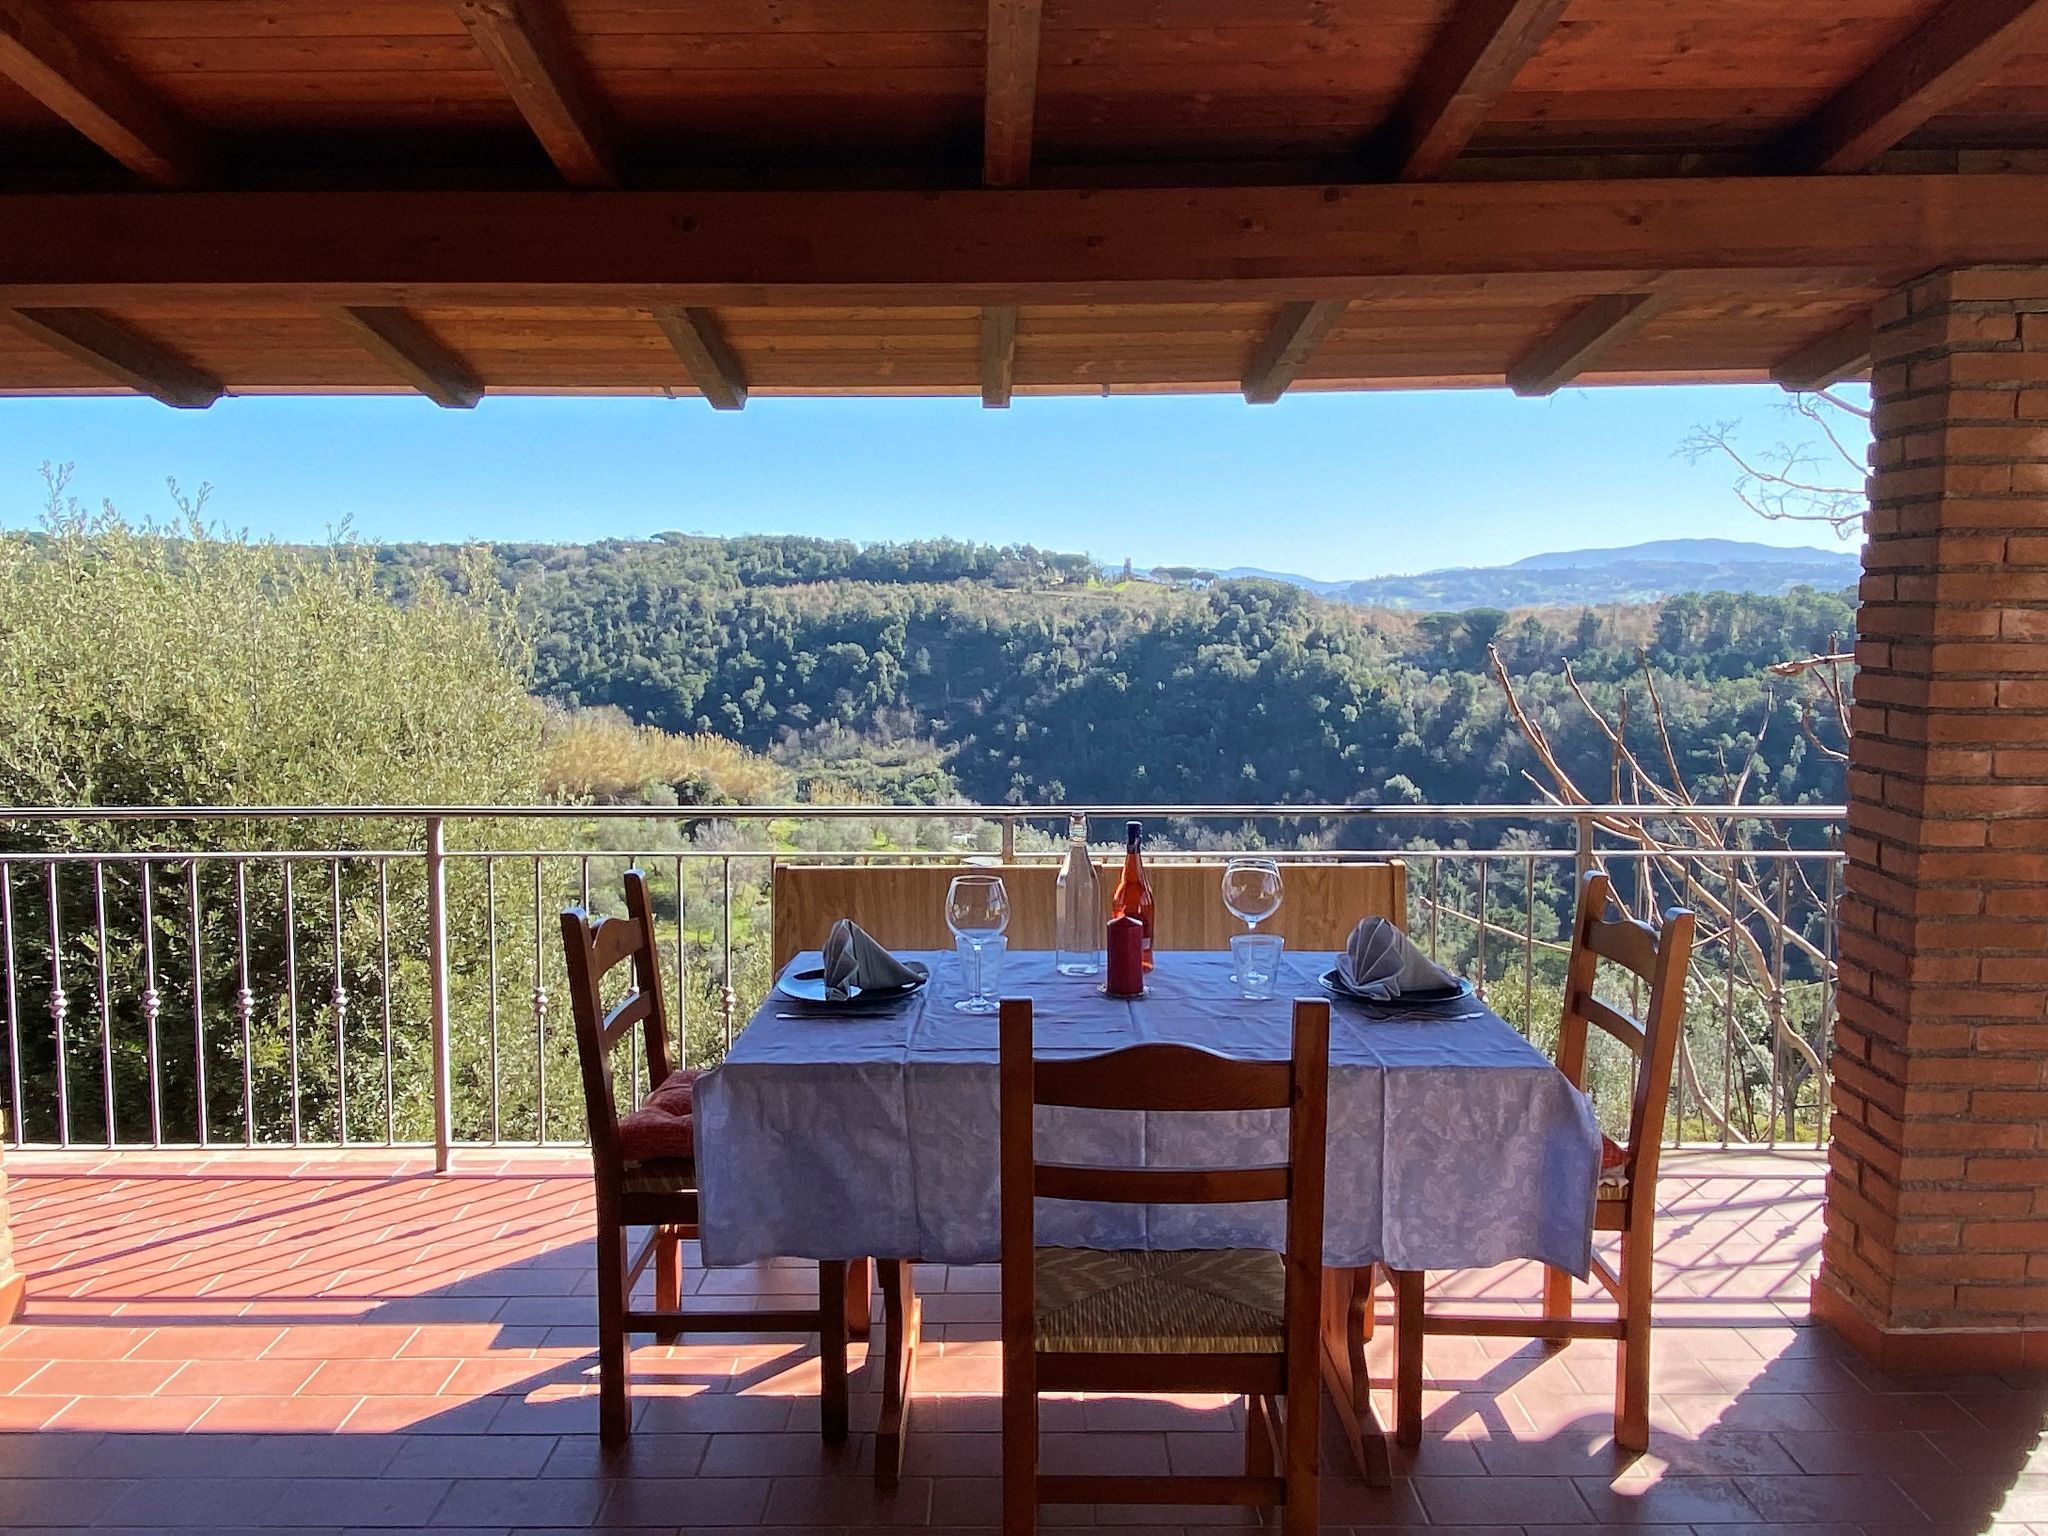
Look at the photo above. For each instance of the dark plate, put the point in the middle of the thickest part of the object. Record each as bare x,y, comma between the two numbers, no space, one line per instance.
808,987
1333,981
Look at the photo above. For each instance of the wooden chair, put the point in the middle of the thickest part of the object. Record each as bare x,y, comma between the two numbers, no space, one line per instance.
647,1174
1626,1201
904,905
1229,1320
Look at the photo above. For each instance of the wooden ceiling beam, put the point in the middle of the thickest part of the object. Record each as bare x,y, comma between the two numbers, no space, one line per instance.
700,342
528,44
976,247
1298,330
404,346
106,345
1579,343
1010,92
1950,54
1469,66
998,354
1827,360
44,53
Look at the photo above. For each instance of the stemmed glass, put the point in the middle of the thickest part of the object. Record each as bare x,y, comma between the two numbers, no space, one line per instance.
978,910
1251,889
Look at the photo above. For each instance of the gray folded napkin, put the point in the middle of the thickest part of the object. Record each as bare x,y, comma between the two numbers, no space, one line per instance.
1382,962
854,958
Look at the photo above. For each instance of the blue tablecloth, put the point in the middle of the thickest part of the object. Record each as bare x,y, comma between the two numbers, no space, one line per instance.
1453,1142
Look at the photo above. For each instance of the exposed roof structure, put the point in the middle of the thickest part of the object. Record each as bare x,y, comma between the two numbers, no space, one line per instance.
724,197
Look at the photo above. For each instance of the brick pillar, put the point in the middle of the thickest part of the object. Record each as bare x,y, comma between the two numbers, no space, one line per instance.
11,1283
1936,1250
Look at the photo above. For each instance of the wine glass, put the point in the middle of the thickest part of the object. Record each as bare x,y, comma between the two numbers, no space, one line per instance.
1251,890
978,910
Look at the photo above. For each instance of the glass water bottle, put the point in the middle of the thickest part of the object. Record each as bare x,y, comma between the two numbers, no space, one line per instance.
1078,911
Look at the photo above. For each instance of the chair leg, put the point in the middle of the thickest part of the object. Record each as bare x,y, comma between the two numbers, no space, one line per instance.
832,1396
902,1328
1632,1354
668,1279
860,1297
1258,1438
1557,1301
1020,1456
1302,1449
614,1355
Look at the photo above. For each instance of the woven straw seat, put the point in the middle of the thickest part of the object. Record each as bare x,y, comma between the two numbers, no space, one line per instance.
668,1177
1229,1301
1613,1170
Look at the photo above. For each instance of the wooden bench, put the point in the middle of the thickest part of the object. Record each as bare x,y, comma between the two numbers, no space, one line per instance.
904,905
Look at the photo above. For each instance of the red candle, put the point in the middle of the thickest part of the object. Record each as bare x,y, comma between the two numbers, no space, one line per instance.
1126,947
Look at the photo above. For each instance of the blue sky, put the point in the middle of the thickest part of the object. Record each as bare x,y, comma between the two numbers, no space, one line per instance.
1325,485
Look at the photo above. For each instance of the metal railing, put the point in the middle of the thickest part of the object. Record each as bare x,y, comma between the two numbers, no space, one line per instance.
389,976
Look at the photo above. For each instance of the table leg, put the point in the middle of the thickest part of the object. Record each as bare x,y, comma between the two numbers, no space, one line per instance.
902,1321
1347,1322
1407,1356
832,1390
860,1296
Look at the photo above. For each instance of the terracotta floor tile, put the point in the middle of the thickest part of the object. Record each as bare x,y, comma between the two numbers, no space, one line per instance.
100,1378
342,1341
845,1501
36,1501
207,1342
144,1413
378,1378
688,1503
1830,1497
789,1454
1876,1452
239,1378
1500,1500
274,1414
372,1501
421,1415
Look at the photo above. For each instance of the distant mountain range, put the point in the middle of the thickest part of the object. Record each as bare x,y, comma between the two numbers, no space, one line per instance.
1639,573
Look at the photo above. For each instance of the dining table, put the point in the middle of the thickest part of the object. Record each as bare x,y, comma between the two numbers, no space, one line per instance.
857,1132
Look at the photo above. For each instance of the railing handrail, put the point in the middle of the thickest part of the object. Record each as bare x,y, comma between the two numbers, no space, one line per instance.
1706,812
187,991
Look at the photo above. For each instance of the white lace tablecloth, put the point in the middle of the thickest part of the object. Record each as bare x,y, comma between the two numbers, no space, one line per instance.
1453,1142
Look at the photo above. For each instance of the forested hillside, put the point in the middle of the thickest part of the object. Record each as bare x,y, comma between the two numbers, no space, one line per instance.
1015,675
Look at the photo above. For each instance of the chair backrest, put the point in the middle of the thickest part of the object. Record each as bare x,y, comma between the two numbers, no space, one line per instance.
591,948
903,905
1156,1077
1657,957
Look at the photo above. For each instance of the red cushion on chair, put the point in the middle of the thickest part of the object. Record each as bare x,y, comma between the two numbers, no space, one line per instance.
1612,1154
662,1127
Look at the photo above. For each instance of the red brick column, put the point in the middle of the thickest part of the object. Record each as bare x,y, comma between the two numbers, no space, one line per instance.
1936,1250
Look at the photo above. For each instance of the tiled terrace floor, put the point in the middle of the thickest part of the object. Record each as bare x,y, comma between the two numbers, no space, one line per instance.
261,1343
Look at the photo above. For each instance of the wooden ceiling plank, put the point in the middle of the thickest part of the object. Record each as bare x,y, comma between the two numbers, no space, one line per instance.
1576,345
46,55
1010,94
528,44
700,342
998,354
403,345
1953,51
111,348
1468,68
1299,329
1827,360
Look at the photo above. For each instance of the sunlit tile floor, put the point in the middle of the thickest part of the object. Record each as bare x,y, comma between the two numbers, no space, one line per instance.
262,1342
